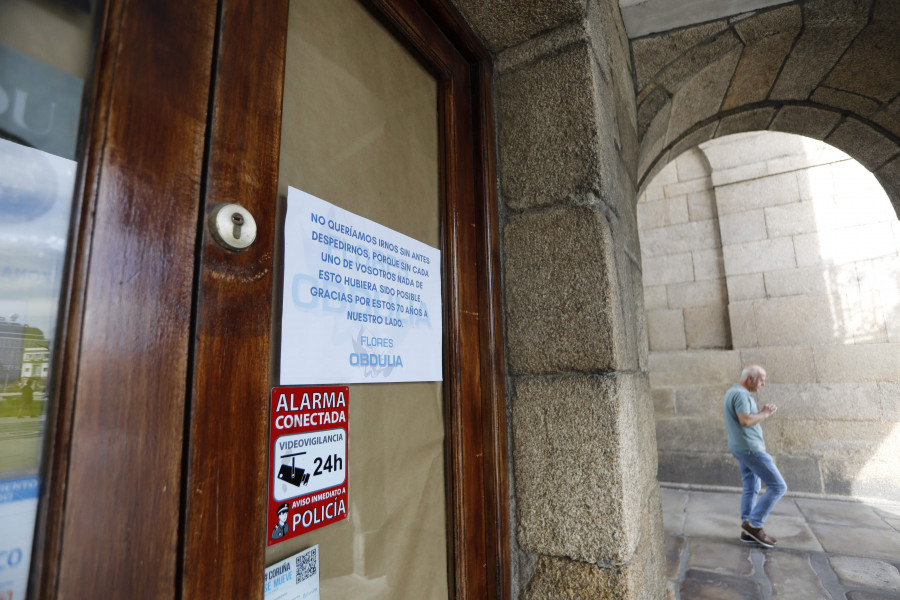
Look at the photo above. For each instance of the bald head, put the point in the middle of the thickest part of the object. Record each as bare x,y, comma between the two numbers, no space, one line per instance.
753,377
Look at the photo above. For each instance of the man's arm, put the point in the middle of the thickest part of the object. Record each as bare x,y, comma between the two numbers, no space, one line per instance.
749,420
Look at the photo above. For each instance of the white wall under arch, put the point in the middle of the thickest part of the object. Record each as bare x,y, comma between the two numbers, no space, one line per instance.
780,250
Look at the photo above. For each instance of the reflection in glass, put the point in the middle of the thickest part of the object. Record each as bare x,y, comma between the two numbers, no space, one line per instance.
44,50
35,201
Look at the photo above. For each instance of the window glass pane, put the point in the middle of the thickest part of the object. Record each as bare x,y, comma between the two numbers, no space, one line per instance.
45,56
360,130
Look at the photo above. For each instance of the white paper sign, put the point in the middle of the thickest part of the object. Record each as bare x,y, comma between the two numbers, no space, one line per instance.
296,578
362,303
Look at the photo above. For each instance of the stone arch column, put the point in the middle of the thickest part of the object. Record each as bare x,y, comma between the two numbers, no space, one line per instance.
822,68
685,292
586,504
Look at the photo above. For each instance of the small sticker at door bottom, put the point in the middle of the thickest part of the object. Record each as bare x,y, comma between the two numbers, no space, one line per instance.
295,578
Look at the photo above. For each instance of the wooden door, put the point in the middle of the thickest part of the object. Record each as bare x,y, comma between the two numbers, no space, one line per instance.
236,289
159,466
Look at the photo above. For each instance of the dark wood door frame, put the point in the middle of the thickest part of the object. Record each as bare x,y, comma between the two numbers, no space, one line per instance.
110,507
473,378
157,466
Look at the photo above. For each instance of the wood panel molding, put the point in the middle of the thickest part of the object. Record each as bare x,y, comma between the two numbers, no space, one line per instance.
111,520
474,383
225,499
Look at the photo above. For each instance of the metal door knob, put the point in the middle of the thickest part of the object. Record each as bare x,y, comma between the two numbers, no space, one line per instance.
232,226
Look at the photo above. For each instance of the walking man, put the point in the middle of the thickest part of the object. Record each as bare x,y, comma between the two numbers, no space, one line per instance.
745,441
26,396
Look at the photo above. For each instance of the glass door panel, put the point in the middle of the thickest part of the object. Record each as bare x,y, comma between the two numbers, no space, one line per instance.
360,130
45,58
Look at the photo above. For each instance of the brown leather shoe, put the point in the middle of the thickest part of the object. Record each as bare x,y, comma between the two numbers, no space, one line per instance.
758,535
746,538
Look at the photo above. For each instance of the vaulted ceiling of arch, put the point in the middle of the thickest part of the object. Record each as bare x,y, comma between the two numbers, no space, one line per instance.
643,17
827,69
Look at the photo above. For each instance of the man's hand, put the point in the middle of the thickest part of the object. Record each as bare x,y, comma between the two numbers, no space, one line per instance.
748,420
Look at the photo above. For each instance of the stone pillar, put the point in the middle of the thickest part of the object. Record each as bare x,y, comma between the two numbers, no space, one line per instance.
586,501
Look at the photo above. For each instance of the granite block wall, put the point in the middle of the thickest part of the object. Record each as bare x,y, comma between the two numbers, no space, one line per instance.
586,508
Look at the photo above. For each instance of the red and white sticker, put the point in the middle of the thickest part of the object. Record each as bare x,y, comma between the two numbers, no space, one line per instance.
308,454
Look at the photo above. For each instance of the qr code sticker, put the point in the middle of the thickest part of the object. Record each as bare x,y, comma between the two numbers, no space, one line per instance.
306,565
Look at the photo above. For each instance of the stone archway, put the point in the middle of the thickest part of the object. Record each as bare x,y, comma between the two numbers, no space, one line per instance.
824,69
576,138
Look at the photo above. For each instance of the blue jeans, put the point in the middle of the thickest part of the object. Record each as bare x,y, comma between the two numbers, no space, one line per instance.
756,466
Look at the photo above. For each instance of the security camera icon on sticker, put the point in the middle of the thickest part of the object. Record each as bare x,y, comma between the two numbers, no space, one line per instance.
292,474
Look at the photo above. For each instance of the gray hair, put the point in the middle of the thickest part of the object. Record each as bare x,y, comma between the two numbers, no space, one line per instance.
752,373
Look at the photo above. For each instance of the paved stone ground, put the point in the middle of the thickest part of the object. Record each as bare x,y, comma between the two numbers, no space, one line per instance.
828,549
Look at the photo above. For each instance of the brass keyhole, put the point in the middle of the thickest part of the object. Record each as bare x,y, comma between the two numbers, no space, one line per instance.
238,220
231,226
